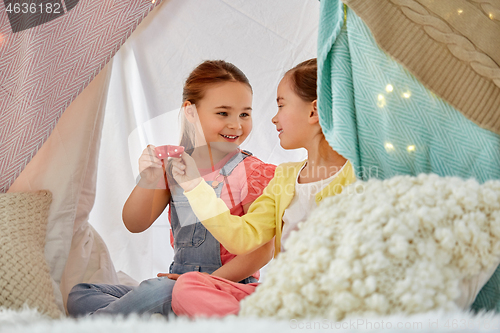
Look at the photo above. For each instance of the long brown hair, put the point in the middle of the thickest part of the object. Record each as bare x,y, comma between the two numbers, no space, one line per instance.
304,79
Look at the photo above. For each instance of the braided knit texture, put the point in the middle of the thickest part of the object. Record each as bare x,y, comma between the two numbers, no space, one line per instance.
451,46
24,273
458,44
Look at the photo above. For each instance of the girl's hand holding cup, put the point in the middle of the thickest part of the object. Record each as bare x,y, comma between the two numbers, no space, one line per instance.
185,172
150,168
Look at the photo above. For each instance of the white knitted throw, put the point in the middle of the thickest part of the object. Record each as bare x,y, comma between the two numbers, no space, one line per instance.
399,246
24,273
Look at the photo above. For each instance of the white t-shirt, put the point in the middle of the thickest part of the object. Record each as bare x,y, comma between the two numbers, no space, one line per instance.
303,202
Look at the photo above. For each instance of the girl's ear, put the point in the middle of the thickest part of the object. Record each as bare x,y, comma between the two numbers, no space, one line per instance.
313,113
190,111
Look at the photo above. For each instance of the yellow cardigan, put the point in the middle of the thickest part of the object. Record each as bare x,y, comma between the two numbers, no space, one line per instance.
263,221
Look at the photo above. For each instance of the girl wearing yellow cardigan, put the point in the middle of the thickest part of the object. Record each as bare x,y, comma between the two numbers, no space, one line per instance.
287,200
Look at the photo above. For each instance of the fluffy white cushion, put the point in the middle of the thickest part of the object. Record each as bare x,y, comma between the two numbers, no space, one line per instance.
402,245
24,273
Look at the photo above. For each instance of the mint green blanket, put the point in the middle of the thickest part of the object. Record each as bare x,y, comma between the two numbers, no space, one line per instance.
380,117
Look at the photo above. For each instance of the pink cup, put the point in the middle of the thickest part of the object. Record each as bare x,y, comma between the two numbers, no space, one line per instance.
167,151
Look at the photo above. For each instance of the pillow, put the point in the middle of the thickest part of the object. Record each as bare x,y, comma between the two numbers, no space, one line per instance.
403,245
24,273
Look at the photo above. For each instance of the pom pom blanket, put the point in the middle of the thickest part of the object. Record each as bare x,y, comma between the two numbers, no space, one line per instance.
399,246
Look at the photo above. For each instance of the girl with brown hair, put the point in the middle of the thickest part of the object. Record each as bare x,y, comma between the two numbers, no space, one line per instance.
216,111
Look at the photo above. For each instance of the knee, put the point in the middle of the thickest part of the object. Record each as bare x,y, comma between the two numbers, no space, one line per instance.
158,286
187,280
72,304
77,291
80,287
181,294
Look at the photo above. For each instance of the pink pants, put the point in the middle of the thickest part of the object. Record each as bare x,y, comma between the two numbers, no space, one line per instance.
196,294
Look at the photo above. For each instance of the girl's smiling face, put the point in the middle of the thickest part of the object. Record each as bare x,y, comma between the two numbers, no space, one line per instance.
224,114
293,116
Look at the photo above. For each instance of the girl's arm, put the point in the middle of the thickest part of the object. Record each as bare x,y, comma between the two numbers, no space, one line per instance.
143,207
147,201
243,266
239,235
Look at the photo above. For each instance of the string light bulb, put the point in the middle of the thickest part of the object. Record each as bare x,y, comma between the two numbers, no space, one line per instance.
407,94
381,101
389,146
460,11
410,148
389,88
491,16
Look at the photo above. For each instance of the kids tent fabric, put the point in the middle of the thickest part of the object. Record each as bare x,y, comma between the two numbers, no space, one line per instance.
145,92
393,117
81,119
45,62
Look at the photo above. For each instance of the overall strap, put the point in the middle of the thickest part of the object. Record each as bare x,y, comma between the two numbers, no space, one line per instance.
228,168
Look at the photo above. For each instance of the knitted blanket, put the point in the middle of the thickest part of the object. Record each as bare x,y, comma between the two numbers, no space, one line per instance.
451,46
382,118
385,121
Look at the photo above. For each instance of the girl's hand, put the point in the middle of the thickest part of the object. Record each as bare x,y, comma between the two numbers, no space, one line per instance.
170,276
186,172
173,276
150,168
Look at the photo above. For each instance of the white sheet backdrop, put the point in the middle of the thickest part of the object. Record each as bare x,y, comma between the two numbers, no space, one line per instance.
263,38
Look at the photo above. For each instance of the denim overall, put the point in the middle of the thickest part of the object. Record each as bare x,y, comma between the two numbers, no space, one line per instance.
195,249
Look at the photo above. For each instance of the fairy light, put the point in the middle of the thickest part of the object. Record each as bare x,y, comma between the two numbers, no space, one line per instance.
460,11
410,148
407,94
381,101
153,1
389,88
491,16
389,146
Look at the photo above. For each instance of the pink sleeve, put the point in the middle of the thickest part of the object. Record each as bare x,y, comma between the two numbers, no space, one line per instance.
259,174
